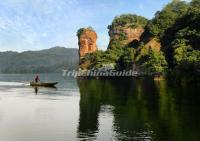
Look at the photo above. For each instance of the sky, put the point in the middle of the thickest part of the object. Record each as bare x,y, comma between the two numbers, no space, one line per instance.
40,24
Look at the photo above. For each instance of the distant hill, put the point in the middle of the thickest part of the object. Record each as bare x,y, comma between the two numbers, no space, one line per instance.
49,60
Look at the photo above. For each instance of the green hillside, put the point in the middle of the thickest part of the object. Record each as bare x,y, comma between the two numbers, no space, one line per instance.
49,60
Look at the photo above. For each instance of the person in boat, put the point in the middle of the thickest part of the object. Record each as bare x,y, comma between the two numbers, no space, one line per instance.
37,79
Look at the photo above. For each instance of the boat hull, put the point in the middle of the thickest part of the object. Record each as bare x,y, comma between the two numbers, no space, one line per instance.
41,84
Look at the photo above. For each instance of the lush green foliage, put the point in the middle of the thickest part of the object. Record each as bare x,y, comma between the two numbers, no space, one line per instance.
186,61
155,62
116,44
184,35
177,27
99,58
122,58
126,61
184,52
129,20
167,17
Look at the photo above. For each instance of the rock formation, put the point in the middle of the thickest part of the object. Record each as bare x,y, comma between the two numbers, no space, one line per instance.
126,30
126,34
153,44
87,38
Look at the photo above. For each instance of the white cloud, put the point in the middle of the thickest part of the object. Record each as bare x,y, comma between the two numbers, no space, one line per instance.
25,23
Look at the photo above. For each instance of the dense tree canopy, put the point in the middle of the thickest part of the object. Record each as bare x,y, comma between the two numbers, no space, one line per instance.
155,62
126,61
185,32
128,20
165,18
99,58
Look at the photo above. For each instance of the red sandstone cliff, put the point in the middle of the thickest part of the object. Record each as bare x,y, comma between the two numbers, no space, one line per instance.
130,34
125,35
87,41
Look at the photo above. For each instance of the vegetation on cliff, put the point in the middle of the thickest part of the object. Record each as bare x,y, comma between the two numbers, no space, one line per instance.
81,30
129,21
99,58
125,29
126,61
155,62
169,43
181,43
165,18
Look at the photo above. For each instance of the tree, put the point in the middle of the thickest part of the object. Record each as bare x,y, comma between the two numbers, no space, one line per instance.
126,61
155,63
166,18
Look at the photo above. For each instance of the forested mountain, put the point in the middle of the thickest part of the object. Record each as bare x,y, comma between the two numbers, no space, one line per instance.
49,60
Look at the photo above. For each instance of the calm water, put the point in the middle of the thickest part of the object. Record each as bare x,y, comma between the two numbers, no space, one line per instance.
105,110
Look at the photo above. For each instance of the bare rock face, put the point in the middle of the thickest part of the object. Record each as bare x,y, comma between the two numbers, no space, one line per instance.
126,34
87,38
153,44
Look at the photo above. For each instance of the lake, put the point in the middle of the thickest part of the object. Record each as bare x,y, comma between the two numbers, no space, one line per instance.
121,109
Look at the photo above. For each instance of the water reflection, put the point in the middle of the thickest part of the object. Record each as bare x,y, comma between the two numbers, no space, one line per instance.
36,89
142,110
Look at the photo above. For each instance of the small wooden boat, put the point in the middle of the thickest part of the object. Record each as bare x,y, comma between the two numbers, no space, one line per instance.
43,84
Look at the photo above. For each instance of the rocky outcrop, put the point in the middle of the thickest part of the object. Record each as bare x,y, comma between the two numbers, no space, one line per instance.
153,44
87,38
126,34
126,30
